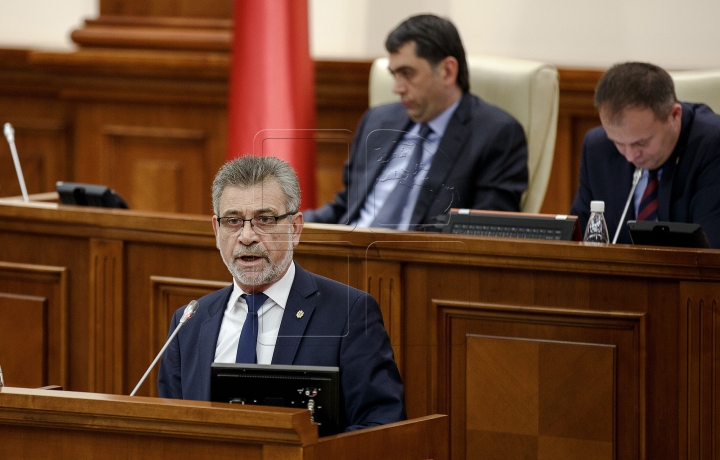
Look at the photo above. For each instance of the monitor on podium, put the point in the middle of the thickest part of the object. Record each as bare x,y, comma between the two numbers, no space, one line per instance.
316,388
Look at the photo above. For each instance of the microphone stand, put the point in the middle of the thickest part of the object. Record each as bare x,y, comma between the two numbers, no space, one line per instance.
636,178
10,136
187,314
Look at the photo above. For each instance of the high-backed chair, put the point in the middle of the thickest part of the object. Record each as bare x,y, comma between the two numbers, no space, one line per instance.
528,90
698,86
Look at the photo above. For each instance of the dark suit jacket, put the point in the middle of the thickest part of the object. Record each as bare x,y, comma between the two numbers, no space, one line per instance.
689,189
341,326
481,163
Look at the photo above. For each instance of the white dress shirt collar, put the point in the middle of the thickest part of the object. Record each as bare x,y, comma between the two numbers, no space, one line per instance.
277,292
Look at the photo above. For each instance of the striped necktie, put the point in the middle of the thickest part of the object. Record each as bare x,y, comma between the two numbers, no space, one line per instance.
648,204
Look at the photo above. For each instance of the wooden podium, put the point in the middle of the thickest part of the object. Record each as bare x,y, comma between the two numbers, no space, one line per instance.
58,424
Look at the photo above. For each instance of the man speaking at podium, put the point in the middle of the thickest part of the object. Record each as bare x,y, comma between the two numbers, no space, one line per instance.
275,312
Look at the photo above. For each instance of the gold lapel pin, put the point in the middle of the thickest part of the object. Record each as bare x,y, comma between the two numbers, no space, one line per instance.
300,314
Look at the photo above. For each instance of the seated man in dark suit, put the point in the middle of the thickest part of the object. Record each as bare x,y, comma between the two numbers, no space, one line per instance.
297,317
439,148
676,144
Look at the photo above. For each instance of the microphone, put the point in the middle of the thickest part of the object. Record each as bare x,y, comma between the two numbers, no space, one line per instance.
636,178
10,136
187,314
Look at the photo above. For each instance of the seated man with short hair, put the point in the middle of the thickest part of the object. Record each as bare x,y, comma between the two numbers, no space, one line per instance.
676,144
440,147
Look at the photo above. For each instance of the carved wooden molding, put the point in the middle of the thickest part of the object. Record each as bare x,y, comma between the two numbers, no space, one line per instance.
49,286
106,316
150,38
384,283
160,21
176,134
699,349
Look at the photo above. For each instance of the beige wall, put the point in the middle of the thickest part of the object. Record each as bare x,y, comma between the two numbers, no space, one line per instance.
42,23
586,33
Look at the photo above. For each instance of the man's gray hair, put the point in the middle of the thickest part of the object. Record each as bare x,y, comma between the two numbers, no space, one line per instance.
249,170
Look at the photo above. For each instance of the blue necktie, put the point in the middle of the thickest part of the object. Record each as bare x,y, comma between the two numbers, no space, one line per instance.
391,212
247,347
648,204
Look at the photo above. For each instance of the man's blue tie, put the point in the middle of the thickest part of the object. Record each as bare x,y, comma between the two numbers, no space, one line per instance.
648,204
247,347
391,212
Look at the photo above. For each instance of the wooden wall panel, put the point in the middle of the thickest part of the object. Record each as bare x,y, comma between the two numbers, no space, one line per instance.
555,399
159,283
163,160
572,376
42,146
43,142
23,343
169,294
70,255
333,150
153,167
341,95
34,324
576,116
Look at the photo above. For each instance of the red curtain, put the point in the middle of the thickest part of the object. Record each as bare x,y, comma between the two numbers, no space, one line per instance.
272,87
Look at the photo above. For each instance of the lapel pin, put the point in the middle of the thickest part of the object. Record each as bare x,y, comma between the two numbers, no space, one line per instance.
300,314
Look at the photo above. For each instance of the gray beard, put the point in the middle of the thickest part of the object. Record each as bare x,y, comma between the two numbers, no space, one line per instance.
270,272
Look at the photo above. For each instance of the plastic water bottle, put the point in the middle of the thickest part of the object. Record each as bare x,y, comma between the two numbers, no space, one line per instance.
596,231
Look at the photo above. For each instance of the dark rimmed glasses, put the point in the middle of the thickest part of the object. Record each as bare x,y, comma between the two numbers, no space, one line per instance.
261,224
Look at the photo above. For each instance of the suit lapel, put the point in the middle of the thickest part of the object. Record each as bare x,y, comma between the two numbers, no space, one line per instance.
298,311
625,187
379,144
665,188
446,157
208,336
672,164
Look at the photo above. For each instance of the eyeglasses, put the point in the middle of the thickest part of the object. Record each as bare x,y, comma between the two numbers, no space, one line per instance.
261,224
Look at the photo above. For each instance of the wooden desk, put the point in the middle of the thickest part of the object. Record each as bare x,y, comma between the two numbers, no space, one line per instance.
57,424
534,349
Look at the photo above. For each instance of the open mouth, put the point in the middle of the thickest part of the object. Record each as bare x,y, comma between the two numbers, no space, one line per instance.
251,258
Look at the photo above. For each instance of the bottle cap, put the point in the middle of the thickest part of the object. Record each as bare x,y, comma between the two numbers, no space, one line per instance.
597,206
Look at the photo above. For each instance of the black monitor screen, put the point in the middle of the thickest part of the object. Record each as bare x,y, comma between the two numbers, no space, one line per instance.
89,195
677,234
312,387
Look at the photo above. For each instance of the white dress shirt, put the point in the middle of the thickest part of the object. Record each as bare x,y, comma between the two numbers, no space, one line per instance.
269,318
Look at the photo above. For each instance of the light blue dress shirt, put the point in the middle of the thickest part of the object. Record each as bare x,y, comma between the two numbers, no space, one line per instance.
396,166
